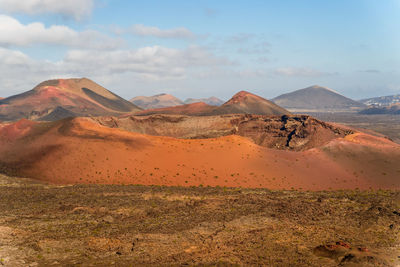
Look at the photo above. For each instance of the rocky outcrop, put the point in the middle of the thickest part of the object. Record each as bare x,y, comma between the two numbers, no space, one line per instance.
347,255
287,132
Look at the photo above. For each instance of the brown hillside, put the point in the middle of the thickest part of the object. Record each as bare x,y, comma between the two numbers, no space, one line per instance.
156,101
247,103
195,109
316,98
213,101
279,132
82,151
241,103
74,97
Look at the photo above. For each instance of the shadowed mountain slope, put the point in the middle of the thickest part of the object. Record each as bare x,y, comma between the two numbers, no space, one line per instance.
69,97
248,103
294,132
80,150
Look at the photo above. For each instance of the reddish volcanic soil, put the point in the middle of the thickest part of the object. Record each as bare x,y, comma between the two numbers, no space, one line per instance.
294,132
12,131
248,103
82,151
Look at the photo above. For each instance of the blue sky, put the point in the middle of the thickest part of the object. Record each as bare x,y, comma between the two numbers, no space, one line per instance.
203,48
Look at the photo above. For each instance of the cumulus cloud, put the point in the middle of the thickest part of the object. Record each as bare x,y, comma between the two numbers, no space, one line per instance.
175,33
76,9
12,32
304,72
13,58
153,63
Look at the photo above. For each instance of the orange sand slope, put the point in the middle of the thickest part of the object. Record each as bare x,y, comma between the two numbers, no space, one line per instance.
82,151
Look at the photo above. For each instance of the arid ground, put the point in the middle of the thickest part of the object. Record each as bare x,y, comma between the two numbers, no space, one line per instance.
386,124
81,150
115,225
177,190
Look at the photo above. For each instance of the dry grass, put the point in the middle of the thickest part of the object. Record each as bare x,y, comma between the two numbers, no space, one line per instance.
103,225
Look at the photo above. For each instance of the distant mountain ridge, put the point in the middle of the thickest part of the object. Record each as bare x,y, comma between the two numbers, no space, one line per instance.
316,98
382,100
62,98
241,103
167,100
156,101
393,109
213,101
193,109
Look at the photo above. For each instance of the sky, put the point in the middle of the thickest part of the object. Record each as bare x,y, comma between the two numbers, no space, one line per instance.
203,48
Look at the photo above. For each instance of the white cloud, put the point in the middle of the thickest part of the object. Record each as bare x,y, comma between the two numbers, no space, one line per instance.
154,63
13,58
76,9
175,33
12,32
303,72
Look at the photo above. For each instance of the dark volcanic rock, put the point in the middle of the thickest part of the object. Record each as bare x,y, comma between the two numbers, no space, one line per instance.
346,255
289,132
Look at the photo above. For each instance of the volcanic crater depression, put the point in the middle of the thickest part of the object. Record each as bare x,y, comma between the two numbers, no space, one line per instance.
290,132
111,141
